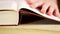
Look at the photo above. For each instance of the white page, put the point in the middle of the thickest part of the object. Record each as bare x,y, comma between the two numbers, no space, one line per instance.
23,4
8,4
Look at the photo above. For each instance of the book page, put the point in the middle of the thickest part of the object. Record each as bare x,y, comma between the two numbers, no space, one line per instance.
8,12
8,5
8,18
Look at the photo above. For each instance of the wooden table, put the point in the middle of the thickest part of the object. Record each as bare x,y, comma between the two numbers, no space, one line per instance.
30,29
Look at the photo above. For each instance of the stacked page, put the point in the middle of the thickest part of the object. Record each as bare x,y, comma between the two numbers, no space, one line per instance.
8,12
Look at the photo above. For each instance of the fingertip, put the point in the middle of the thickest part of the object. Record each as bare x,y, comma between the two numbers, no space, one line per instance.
49,13
56,14
43,11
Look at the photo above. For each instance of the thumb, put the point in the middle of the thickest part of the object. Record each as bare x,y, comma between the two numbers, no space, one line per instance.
30,1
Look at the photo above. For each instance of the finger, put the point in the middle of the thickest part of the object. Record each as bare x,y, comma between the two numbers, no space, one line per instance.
56,12
45,7
50,12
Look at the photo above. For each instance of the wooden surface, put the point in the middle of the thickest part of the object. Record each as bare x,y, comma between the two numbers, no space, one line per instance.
30,29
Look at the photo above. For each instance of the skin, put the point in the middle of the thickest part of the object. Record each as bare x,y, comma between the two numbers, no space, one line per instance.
50,5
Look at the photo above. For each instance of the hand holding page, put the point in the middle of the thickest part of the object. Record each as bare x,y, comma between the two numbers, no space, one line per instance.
23,4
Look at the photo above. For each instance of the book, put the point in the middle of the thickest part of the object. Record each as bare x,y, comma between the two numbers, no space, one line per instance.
9,12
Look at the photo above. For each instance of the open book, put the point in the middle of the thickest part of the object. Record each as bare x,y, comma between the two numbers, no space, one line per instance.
9,11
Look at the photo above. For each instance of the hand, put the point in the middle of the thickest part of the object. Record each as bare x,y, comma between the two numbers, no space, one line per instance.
50,5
